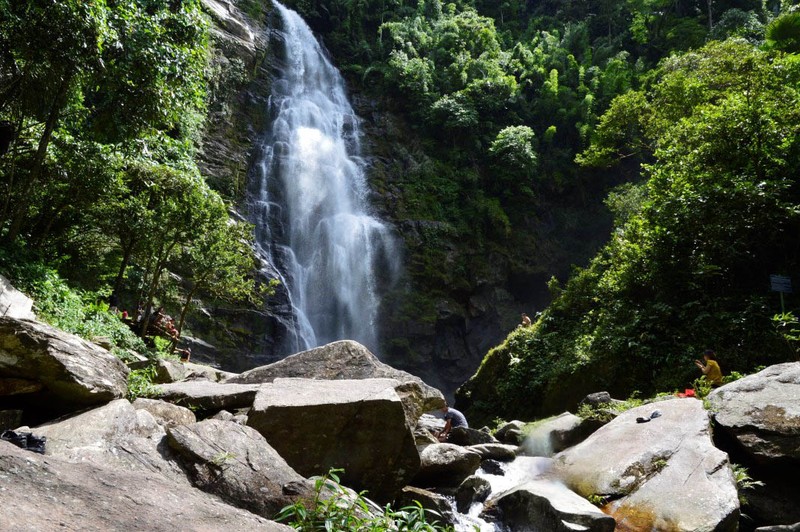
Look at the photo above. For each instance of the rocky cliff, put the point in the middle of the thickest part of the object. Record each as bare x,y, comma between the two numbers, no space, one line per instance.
454,303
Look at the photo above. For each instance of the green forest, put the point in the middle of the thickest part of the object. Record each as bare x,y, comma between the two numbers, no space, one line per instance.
652,142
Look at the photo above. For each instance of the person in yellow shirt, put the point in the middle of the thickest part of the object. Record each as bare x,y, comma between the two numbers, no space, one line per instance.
711,368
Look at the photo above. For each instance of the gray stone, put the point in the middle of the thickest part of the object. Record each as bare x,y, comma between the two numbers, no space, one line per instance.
473,490
166,414
779,528
762,412
348,360
662,473
115,435
202,371
237,463
554,434
445,464
357,425
69,372
438,506
596,399
208,396
495,451
544,505
49,493
168,371
469,436
13,303
511,432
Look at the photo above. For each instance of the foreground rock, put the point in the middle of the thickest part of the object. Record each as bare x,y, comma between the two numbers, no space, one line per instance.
762,413
54,372
237,463
117,436
347,359
48,493
664,474
208,396
358,425
552,507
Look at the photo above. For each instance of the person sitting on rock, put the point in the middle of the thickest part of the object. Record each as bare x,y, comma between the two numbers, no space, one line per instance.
711,370
453,418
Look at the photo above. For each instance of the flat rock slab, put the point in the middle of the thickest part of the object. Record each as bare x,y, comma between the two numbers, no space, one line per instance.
552,507
357,425
762,411
47,493
664,473
348,360
70,372
208,396
236,463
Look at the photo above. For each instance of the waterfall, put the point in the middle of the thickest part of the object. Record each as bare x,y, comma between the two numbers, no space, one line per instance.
313,221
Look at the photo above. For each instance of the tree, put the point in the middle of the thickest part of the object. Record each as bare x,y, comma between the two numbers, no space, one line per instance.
689,263
220,261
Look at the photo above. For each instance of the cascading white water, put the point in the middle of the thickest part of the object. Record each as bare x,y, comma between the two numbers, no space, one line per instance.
312,216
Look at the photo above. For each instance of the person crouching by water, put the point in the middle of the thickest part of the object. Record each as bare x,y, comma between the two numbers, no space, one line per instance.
710,369
453,418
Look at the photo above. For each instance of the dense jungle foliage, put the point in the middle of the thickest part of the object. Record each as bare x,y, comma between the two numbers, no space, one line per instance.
528,111
520,117
102,104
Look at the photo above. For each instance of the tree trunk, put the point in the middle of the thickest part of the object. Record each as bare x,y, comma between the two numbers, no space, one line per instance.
185,308
126,258
151,292
10,186
38,160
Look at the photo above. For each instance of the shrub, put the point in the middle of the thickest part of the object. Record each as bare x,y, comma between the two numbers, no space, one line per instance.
334,507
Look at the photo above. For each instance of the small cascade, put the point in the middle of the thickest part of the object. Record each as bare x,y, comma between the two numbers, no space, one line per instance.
522,469
309,200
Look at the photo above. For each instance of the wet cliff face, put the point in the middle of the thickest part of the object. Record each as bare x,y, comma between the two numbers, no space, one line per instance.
233,337
453,303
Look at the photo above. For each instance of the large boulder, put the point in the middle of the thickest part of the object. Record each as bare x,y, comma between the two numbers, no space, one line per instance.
554,434
116,435
762,413
357,425
13,303
445,464
552,507
49,493
56,372
347,359
236,463
664,473
207,396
